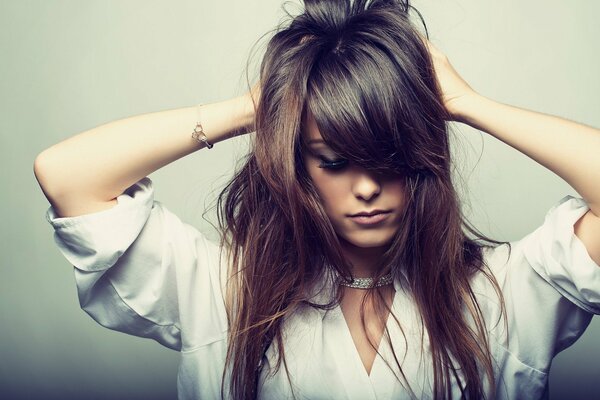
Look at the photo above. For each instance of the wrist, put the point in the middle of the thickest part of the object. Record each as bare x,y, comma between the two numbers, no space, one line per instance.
464,109
245,114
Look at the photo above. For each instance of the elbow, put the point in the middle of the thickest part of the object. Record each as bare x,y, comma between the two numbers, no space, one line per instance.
39,167
42,167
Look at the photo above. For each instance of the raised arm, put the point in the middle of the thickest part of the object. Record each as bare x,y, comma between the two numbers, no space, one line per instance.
569,149
86,172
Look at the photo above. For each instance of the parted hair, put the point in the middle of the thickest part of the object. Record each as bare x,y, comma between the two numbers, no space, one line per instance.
362,69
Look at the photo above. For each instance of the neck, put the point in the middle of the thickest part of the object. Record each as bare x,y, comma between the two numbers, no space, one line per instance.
363,260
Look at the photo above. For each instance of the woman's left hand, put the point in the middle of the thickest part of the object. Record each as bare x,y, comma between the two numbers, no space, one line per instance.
456,92
567,148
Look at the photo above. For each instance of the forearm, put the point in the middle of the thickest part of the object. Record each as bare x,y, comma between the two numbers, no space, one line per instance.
99,164
569,149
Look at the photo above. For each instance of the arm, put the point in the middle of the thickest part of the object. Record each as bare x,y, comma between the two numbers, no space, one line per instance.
85,173
565,147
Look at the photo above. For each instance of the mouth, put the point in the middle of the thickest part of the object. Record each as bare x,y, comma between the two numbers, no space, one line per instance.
370,217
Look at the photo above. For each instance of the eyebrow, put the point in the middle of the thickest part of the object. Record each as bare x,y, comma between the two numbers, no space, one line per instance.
316,141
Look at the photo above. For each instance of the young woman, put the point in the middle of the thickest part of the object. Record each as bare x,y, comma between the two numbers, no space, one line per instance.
345,269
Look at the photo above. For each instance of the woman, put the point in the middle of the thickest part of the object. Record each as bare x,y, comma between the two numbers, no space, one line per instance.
345,268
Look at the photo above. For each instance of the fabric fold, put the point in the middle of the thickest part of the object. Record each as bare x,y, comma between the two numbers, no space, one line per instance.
94,242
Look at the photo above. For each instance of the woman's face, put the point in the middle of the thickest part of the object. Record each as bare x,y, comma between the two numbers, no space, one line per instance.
348,190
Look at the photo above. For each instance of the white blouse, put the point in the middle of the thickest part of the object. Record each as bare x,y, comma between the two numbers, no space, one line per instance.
141,270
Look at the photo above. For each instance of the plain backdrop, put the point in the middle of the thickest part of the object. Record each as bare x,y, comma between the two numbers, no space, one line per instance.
70,65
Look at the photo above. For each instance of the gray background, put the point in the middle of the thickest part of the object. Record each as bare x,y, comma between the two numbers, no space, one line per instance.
70,65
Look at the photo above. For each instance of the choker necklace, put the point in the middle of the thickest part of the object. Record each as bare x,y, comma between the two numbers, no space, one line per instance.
367,283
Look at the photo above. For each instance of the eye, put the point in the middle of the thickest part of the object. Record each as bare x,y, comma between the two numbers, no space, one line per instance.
333,164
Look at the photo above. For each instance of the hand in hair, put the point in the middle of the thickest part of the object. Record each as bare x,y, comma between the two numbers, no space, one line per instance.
455,90
567,148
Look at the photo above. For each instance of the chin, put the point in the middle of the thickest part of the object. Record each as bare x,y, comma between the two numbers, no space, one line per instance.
369,239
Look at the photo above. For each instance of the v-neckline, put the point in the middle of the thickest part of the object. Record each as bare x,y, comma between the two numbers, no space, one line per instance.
349,340
381,382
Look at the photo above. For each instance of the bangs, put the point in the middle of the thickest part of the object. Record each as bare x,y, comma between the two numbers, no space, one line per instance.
356,102
364,98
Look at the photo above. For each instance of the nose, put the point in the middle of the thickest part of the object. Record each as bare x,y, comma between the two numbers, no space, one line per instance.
366,185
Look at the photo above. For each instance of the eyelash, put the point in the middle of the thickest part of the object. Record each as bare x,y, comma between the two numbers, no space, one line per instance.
333,164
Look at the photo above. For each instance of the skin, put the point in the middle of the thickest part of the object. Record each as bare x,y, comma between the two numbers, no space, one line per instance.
349,190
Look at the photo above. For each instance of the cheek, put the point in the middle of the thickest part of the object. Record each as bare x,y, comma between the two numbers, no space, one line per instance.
395,190
331,189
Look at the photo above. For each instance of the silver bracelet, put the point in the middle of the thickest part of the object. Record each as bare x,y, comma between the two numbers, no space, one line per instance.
198,133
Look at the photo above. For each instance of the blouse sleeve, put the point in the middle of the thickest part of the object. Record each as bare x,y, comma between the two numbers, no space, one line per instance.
551,287
559,256
140,270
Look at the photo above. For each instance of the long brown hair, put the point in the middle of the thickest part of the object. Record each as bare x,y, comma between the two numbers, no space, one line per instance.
366,76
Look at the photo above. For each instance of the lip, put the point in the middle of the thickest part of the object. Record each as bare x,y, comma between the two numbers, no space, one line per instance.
370,217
